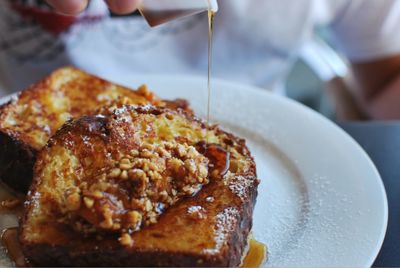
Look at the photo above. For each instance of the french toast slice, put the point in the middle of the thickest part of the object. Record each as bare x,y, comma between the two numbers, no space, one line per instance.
30,119
140,186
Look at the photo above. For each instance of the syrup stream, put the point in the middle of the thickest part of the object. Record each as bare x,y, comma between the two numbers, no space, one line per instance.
211,16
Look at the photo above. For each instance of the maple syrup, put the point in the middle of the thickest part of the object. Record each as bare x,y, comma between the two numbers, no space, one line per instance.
218,156
255,256
211,16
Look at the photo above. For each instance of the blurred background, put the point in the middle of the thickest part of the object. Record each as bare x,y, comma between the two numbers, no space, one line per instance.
321,78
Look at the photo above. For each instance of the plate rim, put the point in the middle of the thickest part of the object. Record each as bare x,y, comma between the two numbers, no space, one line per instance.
286,101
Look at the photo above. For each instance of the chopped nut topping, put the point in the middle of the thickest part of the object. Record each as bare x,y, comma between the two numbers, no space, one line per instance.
73,201
146,154
124,175
181,150
125,161
137,204
164,195
134,153
101,177
126,240
173,192
125,164
97,194
116,226
138,187
136,174
147,146
148,205
190,165
88,202
115,172
107,223
134,218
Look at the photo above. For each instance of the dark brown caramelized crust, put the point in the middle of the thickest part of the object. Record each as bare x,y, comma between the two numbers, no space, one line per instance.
30,119
140,186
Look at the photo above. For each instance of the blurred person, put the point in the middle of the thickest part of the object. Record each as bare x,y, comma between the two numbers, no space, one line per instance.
255,42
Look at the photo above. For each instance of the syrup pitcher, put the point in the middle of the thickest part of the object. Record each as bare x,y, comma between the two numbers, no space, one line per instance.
157,12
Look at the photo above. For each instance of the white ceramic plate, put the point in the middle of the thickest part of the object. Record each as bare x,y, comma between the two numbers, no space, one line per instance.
321,200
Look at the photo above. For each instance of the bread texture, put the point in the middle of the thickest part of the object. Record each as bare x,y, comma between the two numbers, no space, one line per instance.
33,116
140,186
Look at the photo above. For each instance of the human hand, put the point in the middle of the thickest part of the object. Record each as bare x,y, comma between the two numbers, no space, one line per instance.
74,7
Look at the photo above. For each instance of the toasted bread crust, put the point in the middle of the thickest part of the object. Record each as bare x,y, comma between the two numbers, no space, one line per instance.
16,162
176,239
30,119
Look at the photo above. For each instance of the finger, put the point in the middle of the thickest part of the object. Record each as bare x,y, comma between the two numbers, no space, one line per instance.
68,7
123,6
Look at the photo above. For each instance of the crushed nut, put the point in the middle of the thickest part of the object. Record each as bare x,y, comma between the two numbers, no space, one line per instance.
133,218
157,176
134,153
181,151
124,175
88,202
191,152
136,174
190,165
73,201
164,195
146,154
148,205
97,194
107,223
125,164
101,177
138,204
169,116
126,240
115,172
168,145
116,226
188,190
153,167
147,146
125,161
176,163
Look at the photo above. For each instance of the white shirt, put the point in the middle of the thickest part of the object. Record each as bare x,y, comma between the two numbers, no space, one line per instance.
255,41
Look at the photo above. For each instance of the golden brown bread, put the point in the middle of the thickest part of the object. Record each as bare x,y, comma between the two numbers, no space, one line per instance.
83,210
30,119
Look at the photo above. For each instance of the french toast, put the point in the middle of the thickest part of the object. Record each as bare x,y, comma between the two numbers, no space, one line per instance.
140,186
33,116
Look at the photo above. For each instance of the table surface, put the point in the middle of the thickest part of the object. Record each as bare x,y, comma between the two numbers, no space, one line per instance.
381,141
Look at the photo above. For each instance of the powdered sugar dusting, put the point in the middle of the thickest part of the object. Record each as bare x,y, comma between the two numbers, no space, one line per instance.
224,224
241,185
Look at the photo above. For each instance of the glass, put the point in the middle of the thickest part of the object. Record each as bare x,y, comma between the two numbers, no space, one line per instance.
157,12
